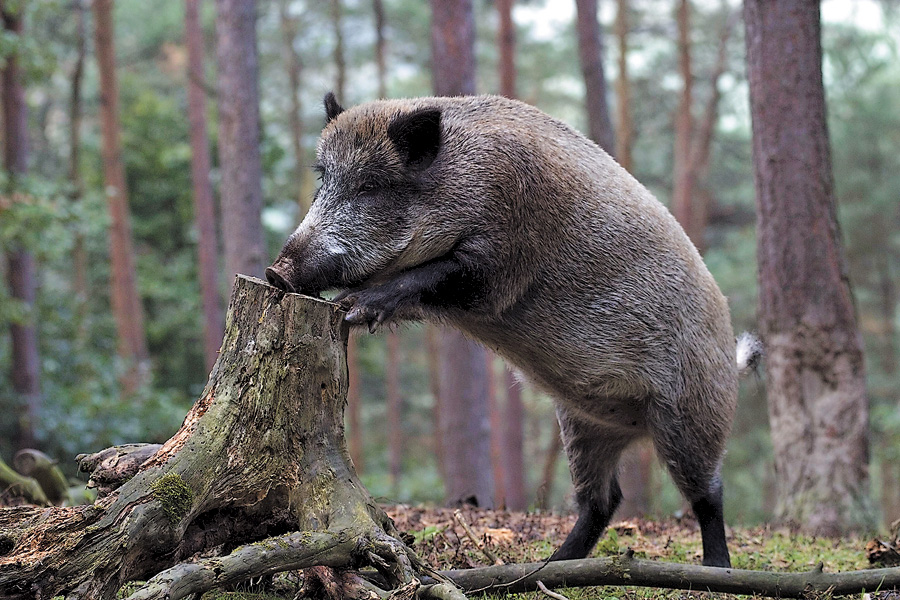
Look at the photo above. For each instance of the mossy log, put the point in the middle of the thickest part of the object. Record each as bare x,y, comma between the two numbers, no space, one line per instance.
259,464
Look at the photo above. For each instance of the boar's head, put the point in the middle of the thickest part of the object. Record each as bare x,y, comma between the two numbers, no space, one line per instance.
371,217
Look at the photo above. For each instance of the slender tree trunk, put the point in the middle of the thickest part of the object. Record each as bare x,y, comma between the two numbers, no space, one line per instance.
514,486
354,406
636,479
453,47
434,378
294,66
496,418
378,9
625,138
506,39
548,472
76,113
21,276
126,303
239,136
818,407
685,179
465,424
340,61
395,409
590,52
204,208
890,469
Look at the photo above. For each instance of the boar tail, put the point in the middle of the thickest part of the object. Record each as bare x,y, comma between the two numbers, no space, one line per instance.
749,353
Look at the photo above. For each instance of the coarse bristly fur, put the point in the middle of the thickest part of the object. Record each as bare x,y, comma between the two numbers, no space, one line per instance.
487,214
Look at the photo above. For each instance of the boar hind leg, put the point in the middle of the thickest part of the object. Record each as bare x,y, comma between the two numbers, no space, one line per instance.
593,453
693,455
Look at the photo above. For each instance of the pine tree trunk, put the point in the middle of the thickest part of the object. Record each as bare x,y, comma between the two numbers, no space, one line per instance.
340,61
394,409
506,40
625,138
685,176
239,136
464,419
495,417
818,407
590,51
126,302
76,113
515,485
294,66
260,454
378,9
20,271
204,208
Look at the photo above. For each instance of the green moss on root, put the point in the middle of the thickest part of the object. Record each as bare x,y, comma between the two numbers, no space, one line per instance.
174,495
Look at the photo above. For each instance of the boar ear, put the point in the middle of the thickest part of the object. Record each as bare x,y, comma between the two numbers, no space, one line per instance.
417,135
332,108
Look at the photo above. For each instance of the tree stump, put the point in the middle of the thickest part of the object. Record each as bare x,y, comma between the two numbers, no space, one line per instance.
258,479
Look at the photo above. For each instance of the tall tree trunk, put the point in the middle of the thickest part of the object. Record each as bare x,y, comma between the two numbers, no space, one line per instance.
204,208
506,39
26,364
76,113
590,52
625,139
453,47
378,9
685,179
514,484
890,469
354,406
394,409
496,418
548,471
432,344
465,424
294,66
635,479
818,408
126,303
239,136
340,61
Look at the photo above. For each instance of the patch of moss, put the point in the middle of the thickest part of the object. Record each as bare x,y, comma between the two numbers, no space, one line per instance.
174,495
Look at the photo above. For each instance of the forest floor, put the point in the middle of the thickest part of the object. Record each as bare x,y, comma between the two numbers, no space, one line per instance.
513,537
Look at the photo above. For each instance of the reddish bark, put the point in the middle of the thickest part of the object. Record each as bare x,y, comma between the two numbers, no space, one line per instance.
548,472
506,40
685,183
818,406
590,52
294,66
453,47
514,484
394,409
625,138
464,420
204,208
126,303
25,365
378,9
239,157
496,417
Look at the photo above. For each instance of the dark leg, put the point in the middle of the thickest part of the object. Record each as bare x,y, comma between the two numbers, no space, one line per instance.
593,453
593,517
708,511
693,454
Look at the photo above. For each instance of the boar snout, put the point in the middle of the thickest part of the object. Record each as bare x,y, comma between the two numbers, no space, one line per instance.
276,278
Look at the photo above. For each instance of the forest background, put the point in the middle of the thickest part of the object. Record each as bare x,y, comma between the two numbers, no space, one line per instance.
90,397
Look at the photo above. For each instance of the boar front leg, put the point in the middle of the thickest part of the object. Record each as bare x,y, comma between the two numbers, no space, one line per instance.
440,284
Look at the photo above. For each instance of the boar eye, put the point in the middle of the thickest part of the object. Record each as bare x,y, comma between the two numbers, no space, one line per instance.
367,187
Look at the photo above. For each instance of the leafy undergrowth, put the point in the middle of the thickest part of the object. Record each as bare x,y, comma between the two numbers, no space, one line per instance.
531,537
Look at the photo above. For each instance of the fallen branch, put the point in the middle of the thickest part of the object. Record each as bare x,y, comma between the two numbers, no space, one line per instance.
457,514
630,571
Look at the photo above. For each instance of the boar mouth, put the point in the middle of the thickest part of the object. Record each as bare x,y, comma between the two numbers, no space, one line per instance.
278,280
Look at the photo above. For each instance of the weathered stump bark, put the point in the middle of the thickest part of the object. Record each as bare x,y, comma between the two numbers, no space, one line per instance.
259,458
